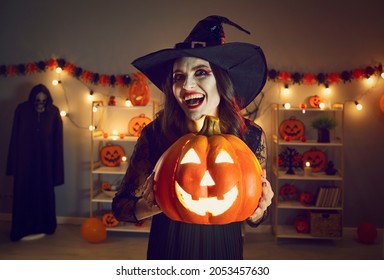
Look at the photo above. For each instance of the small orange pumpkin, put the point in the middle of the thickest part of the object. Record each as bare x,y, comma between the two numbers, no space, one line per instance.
317,158
291,129
109,220
315,101
136,124
106,186
111,155
138,92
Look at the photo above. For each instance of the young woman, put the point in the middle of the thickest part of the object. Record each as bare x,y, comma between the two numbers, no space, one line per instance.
213,79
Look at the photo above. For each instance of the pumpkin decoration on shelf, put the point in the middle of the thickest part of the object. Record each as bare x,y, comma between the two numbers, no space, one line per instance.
317,159
315,101
291,129
136,124
111,155
138,92
306,198
189,182
288,192
109,220
301,225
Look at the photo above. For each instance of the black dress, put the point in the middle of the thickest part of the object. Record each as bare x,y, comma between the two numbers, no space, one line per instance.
35,160
170,239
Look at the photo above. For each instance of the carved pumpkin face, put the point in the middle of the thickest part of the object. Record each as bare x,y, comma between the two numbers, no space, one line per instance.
301,225
208,180
109,220
288,192
136,124
306,198
317,158
111,155
291,129
314,101
138,92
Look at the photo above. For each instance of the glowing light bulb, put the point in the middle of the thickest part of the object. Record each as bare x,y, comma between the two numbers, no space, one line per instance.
286,89
128,103
287,105
56,82
63,113
327,90
359,107
94,109
321,105
91,128
370,81
59,70
382,75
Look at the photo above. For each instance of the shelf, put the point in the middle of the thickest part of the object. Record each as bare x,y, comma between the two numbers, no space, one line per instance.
297,205
115,138
109,170
130,227
102,197
320,176
290,232
334,143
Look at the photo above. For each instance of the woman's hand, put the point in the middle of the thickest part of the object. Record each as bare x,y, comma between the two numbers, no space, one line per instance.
265,200
146,206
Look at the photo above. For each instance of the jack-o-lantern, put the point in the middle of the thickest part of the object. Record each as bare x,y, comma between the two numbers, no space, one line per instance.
138,92
306,198
317,159
314,101
301,225
288,192
111,155
109,220
136,124
291,129
208,178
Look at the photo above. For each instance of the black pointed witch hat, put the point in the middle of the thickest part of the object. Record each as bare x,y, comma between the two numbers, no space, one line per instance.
244,62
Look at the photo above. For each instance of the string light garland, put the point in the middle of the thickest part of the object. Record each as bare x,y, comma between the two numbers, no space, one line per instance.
325,79
87,76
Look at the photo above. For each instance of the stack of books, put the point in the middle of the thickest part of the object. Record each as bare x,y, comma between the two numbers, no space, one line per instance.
328,196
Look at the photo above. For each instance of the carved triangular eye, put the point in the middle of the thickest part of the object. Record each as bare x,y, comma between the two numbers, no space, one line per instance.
224,157
191,157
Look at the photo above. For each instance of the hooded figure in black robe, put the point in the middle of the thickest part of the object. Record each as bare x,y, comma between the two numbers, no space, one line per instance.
35,160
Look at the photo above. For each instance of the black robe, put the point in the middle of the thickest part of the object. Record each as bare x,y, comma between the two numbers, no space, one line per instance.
35,160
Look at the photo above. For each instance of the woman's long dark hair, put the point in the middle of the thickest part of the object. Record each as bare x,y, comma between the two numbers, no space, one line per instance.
173,118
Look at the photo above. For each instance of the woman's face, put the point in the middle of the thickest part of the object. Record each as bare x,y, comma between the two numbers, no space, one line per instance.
194,87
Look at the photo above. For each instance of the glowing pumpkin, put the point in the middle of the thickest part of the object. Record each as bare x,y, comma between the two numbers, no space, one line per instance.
208,178
291,129
317,158
138,92
306,198
111,155
136,124
314,101
109,220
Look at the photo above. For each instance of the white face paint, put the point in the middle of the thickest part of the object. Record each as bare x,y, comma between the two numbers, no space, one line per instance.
194,87
40,102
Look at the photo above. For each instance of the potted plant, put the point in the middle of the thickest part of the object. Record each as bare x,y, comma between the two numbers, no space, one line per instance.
323,126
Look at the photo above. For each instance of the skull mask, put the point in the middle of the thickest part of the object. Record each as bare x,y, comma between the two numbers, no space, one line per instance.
40,102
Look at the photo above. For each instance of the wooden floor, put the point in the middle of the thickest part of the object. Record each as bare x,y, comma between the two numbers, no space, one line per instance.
67,244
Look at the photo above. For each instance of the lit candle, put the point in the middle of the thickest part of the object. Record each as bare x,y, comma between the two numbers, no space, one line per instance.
124,163
307,169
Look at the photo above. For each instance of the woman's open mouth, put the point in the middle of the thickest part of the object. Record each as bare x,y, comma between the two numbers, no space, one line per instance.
193,100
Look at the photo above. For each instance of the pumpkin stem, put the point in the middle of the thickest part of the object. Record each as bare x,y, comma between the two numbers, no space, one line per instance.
210,127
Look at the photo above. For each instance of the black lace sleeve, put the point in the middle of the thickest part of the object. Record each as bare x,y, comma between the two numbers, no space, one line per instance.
254,137
141,164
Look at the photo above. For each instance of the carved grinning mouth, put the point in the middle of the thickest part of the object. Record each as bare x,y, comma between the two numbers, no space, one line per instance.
203,205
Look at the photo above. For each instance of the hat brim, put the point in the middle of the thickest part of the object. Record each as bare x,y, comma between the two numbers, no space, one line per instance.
245,64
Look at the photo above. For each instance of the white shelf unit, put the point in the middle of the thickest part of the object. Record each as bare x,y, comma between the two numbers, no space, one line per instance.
285,212
113,120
